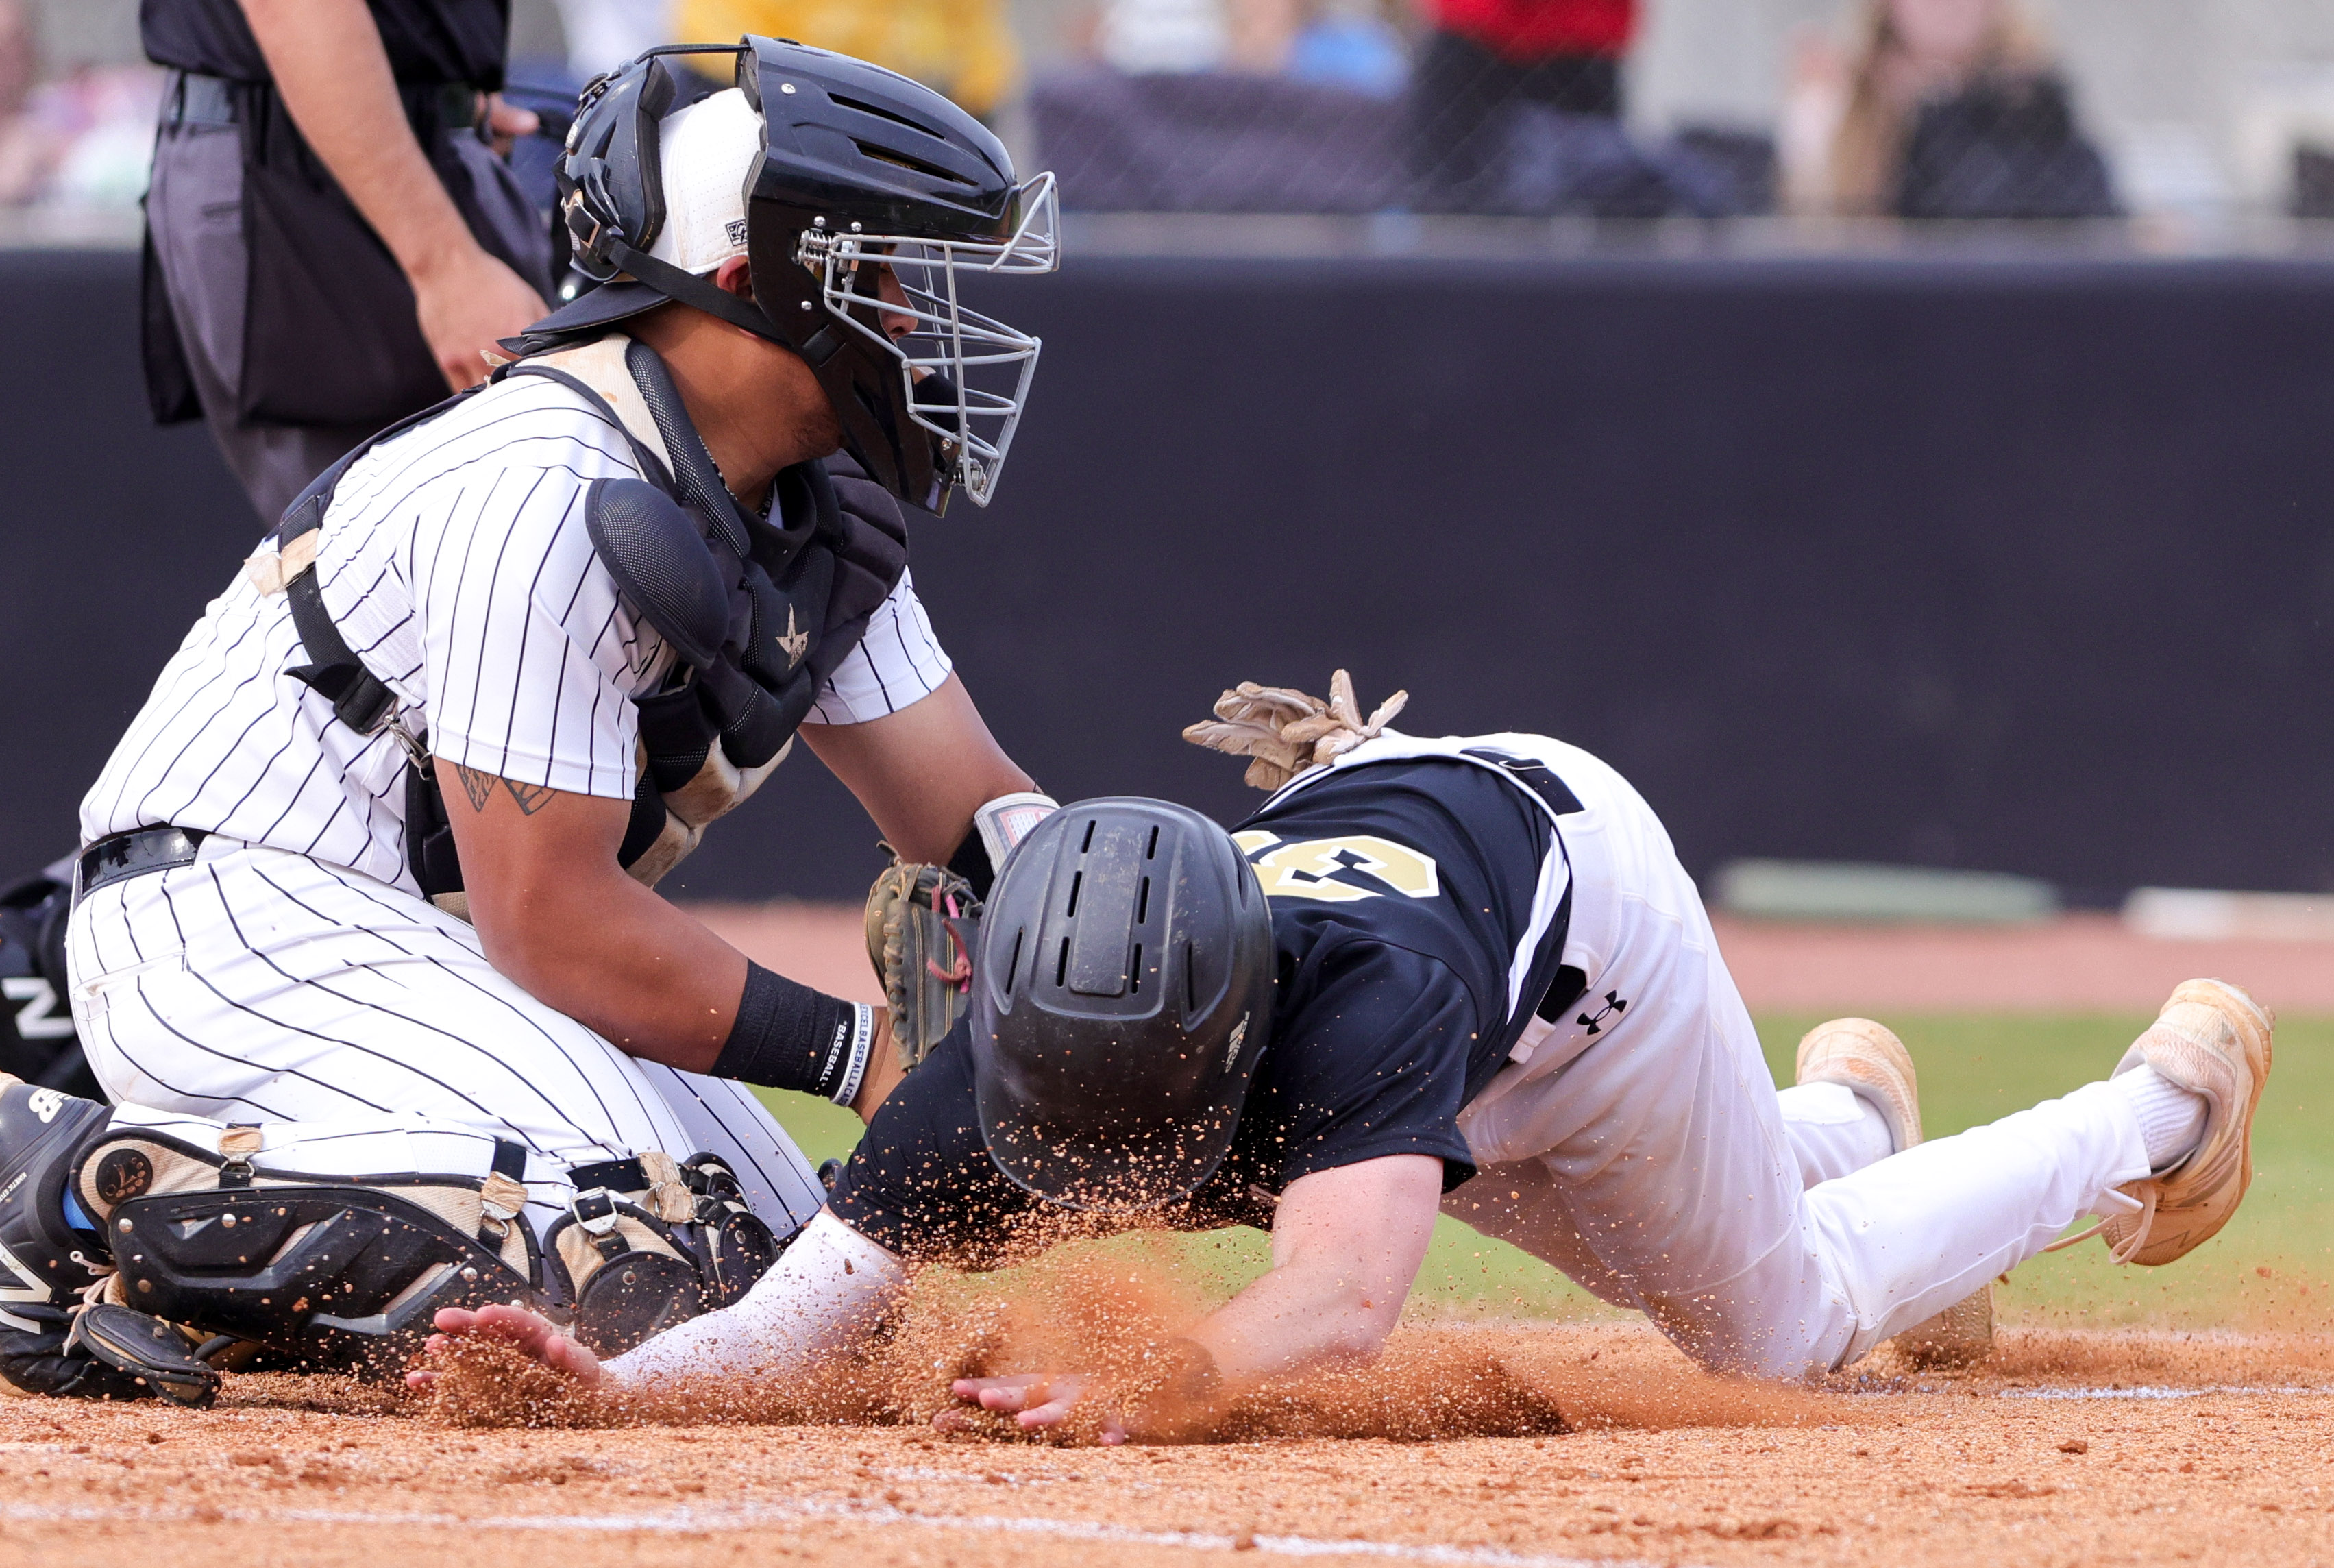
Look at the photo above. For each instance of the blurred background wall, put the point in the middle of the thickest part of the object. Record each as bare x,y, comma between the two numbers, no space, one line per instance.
1975,515
2202,110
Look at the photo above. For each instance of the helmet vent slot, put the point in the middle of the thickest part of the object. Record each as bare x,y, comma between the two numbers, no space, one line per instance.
1191,980
1142,905
1013,966
1134,976
864,107
913,165
1086,843
1151,850
1062,965
1078,880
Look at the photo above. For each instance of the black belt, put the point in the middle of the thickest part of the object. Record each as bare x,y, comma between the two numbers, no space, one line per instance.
194,99
122,856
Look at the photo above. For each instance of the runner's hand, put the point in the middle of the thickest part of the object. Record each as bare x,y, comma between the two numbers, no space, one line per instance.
530,1334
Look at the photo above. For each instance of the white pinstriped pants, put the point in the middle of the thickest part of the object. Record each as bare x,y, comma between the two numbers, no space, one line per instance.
364,1028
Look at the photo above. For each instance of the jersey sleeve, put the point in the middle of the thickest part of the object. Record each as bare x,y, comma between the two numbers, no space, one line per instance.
898,664
1372,1061
530,659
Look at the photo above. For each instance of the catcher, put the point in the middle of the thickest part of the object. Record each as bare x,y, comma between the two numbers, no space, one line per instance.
364,918
1467,976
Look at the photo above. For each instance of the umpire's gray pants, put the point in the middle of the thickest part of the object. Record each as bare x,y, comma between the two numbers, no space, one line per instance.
195,209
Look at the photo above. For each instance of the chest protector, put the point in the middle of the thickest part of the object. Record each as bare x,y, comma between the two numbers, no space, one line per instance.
758,613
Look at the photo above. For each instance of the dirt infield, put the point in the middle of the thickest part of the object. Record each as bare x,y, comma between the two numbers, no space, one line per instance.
2071,1447
1489,1443
2075,963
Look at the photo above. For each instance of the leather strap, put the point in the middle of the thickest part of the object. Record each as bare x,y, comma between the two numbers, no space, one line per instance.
122,856
619,1176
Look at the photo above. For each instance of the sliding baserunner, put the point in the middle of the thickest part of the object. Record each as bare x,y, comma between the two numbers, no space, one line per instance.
1466,976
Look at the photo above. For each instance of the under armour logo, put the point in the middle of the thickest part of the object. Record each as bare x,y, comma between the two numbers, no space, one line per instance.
1232,1047
44,1103
794,644
1613,1004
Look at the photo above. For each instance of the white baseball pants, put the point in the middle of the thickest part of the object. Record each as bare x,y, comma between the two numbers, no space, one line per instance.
1646,1153
364,1028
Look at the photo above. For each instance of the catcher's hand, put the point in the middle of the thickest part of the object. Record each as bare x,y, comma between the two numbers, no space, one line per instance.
922,923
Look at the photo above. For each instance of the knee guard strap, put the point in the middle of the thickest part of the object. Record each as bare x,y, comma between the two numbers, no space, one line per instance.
648,1244
331,1270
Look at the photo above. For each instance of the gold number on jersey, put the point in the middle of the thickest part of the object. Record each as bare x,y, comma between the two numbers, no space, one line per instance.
1320,868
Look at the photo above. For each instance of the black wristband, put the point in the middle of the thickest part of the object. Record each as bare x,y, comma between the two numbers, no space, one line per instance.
789,1036
970,862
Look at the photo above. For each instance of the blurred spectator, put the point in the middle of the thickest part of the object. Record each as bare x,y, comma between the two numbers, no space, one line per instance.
1147,37
1327,42
1347,44
963,48
1482,58
1948,109
601,34
28,145
84,140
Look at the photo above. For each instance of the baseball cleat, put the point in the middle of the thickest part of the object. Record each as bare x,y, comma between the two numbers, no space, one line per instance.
48,1270
1867,1058
2214,1040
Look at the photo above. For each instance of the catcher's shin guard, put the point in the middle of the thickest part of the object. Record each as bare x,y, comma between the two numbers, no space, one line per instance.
49,1272
325,1271
648,1242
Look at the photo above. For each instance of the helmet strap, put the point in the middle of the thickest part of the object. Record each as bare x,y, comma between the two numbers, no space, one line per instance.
702,293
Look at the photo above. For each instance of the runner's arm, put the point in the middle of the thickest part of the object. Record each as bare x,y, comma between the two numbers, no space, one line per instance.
1346,1245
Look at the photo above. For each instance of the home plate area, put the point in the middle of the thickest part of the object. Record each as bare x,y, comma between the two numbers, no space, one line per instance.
2090,1447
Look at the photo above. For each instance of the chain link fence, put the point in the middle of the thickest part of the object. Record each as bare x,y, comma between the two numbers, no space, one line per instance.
2193,119
2195,123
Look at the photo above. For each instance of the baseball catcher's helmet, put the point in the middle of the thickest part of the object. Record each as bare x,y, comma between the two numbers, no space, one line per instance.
1124,996
859,168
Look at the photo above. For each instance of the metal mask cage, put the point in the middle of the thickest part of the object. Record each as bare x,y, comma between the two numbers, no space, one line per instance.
966,375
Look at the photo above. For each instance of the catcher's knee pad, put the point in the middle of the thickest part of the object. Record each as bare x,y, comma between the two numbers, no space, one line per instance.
648,1242
326,1271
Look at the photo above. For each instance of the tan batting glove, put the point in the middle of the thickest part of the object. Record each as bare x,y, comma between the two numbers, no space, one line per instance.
1283,732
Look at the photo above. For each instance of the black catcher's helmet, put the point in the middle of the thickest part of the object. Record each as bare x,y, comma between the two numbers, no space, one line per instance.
860,168
1124,996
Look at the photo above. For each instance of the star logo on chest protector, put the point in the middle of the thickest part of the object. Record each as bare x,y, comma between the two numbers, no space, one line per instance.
795,643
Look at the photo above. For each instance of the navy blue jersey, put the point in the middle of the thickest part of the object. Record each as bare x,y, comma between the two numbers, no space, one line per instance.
1403,897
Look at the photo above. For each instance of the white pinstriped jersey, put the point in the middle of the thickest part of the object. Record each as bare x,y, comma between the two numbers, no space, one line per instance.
456,562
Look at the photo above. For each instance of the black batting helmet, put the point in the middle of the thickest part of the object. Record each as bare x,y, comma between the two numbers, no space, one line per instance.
859,168
1124,996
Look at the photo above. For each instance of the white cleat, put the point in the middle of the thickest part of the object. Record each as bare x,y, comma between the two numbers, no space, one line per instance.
2214,1040
1868,1058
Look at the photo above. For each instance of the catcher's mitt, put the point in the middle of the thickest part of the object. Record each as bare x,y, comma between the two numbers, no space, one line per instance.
922,923
1283,732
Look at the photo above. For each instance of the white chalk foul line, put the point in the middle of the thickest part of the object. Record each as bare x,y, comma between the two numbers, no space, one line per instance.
2158,1393
688,1521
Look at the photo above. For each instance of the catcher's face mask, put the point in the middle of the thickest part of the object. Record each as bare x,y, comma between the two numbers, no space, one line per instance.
964,377
847,169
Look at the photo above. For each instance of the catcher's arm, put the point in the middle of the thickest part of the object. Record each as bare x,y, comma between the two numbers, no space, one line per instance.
921,772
